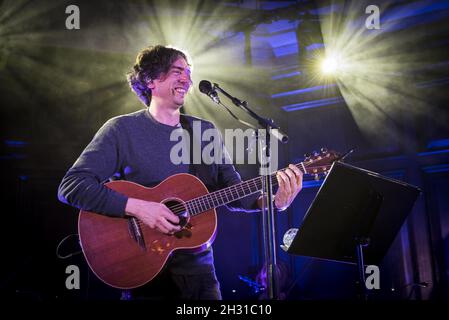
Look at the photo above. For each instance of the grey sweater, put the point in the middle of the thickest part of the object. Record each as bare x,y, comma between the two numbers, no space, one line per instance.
135,147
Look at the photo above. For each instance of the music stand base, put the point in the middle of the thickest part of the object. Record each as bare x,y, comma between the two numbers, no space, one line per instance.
362,291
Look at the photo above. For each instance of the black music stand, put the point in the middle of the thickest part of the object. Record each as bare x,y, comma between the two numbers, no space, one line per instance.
354,208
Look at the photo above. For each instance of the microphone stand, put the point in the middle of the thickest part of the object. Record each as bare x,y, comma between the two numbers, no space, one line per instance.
269,235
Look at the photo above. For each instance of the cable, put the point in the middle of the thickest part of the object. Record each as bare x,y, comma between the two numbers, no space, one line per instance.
61,242
235,117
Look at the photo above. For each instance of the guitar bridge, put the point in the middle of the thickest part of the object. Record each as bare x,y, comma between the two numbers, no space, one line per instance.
136,233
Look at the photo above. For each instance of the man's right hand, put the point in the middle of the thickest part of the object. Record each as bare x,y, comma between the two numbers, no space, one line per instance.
154,214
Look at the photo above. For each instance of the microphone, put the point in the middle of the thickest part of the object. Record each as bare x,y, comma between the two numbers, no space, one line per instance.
207,88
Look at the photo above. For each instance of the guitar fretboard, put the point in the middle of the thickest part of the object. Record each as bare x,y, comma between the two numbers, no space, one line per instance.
233,193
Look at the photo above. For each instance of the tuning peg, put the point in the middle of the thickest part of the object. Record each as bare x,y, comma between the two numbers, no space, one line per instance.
307,155
315,153
323,150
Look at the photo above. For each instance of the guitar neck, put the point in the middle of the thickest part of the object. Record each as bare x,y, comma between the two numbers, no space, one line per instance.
233,193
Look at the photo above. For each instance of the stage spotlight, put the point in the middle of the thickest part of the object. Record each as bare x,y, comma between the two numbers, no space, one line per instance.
331,65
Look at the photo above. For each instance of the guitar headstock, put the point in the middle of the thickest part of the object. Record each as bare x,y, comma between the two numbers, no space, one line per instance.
320,162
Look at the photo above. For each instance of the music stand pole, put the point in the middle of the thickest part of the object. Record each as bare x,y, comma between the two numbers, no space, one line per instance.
269,239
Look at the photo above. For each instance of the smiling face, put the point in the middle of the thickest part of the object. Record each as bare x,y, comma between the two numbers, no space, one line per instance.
170,89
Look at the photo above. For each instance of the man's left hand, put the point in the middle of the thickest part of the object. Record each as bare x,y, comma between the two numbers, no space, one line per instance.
290,183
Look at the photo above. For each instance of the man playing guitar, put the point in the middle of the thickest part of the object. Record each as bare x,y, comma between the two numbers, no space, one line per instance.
136,147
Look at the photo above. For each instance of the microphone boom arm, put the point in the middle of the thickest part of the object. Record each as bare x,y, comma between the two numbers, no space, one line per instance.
264,122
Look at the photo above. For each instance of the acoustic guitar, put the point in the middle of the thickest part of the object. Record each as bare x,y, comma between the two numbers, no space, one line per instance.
124,253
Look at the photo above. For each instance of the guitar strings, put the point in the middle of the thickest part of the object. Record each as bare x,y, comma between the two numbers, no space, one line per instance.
245,186
196,203
229,192
205,200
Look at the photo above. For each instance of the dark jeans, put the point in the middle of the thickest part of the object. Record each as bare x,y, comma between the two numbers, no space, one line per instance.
168,286
198,287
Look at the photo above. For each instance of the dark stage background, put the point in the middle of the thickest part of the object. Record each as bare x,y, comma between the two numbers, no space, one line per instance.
59,85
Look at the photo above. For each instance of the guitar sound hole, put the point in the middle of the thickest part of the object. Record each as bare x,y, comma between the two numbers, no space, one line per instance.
178,207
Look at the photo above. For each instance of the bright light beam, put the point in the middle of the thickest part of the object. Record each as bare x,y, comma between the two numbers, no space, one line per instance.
374,69
330,65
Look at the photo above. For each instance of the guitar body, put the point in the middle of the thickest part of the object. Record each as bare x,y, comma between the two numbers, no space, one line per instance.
125,254
117,258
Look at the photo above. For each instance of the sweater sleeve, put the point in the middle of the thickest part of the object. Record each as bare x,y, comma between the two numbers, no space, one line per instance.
83,184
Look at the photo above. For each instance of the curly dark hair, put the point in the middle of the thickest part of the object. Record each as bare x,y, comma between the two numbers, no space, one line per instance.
151,62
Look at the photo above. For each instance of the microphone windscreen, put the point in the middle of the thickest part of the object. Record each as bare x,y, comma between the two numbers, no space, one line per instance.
205,86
